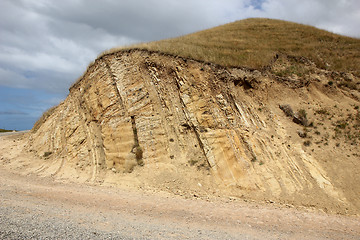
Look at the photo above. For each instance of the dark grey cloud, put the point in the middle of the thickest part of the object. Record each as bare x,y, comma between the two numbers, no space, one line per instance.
145,20
62,37
47,44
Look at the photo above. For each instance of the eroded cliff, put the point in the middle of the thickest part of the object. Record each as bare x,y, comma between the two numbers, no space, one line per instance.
188,126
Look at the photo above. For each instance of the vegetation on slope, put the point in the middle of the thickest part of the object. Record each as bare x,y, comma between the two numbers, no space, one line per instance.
255,42
4,130
43,118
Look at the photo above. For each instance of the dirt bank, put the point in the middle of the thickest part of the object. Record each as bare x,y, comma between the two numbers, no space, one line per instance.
33,207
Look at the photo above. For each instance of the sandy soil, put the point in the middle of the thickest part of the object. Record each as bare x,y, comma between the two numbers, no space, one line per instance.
42,207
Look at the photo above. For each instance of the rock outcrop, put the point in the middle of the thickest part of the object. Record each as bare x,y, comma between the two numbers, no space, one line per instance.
138,110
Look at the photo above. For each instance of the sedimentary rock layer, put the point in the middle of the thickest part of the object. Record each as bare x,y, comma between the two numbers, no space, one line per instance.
138,109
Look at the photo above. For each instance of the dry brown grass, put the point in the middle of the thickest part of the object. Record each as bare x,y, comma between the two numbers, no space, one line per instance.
43,118
254,43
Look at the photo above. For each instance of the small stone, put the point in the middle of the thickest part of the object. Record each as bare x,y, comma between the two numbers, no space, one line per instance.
301,133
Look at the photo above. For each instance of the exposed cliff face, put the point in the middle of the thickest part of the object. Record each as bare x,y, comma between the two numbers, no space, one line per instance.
206,128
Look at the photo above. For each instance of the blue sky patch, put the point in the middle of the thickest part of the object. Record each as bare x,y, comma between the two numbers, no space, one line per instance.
20,108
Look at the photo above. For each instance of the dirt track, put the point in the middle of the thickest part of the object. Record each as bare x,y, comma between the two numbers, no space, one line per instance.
32,207
40,207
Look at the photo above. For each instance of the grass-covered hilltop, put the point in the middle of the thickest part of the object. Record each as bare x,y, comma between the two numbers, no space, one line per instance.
255,42
256,109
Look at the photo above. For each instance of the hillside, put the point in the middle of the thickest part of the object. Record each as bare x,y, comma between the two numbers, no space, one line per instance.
255,42
191,120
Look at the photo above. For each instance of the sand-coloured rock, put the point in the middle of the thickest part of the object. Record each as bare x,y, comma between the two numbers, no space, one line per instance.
151,114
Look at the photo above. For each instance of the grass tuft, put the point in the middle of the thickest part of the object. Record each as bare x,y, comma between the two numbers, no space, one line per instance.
43,118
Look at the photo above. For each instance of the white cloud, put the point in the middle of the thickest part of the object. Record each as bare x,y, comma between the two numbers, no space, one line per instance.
47,44
11,78
64,36
339,16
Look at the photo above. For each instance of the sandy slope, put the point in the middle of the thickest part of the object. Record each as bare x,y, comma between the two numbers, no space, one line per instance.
151,120
32,206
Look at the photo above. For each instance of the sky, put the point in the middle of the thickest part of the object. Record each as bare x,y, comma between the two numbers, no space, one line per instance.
45,45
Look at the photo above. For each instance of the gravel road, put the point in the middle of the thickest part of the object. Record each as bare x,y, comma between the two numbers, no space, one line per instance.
13,133
39,208
42,208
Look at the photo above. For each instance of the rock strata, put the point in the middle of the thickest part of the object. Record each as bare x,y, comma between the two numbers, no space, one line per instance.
136,110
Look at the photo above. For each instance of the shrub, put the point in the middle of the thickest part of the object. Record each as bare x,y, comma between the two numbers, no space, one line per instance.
341,124
347,84
47,154
139,155
302,113
301,118
4,130
322,111
287,110
192,162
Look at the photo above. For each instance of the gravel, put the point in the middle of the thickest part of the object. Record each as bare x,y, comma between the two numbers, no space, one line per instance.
47,220
19,224
38,208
